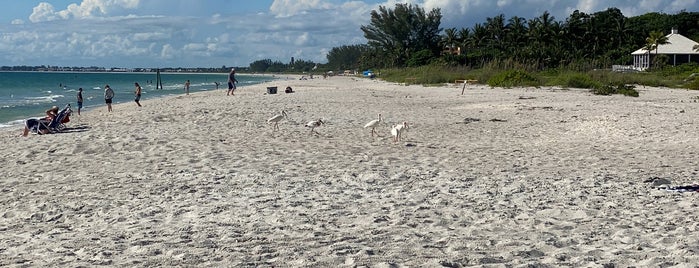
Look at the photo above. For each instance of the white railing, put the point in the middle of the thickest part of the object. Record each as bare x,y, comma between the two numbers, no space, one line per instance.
625,68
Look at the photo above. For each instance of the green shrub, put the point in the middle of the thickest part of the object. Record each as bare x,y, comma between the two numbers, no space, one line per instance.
432,74
626,90
577,80
420,58
694,84
513,78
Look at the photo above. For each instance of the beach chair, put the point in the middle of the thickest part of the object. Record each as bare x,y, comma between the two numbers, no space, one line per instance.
59,122
45,126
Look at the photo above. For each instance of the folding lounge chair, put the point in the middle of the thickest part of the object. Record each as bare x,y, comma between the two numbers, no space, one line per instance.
39,125
58,122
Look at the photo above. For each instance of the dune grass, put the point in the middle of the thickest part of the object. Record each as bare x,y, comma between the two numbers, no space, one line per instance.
684,76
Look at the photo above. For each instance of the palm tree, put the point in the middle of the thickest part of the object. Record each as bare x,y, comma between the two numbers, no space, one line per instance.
477,42
495,27
463,36
654,40
648,47
450,39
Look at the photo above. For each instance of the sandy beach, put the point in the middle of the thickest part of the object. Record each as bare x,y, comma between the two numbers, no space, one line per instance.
520,177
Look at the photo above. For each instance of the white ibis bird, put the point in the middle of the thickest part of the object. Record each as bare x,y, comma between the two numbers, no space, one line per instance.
314,124
275,119
397,130
372,124
403,128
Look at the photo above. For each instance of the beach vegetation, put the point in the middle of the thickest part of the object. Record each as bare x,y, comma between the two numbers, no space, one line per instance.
505,75
420,58
609,89
301,65
571,79
346,57
405,44
513,78
424,75
576,52
694,84
653,42
267,65
404,34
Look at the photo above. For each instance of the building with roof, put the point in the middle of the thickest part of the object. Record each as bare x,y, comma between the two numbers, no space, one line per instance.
679,50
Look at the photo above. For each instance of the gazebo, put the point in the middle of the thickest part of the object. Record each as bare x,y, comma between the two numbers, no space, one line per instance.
680,50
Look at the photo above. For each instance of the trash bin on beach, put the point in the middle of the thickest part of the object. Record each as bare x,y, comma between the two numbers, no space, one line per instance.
271,90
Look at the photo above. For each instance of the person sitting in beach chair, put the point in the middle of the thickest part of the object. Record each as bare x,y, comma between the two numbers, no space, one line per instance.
53,122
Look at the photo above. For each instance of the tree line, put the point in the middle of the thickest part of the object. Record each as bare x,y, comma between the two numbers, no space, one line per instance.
409,36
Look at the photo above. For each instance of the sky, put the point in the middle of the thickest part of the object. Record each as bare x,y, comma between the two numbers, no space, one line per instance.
216,33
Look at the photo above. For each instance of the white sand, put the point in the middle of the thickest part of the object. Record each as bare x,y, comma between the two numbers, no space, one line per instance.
546,178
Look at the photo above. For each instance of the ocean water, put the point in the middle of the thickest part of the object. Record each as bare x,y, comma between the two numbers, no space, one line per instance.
28,94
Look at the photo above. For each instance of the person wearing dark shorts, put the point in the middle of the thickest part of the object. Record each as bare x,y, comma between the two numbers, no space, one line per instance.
108,96
138,94
80,99
231,82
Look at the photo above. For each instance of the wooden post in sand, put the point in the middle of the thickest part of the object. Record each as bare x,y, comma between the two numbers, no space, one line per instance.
158,81
466,81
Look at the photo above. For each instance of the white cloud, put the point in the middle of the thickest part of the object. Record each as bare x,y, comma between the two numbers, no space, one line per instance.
195,47
87,9
132,33
167,52
151,36
43,12
302,39
286,8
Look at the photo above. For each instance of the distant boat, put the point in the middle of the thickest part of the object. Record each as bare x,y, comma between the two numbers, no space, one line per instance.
96,88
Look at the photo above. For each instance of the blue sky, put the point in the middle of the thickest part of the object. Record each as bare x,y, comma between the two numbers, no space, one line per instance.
213,33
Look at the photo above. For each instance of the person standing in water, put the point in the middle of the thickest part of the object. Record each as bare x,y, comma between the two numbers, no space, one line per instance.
138,94
186,87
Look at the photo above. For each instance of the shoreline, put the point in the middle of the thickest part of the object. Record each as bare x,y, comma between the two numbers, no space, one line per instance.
19,122
505,177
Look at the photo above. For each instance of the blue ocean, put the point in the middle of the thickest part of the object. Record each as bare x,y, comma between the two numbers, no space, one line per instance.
28,94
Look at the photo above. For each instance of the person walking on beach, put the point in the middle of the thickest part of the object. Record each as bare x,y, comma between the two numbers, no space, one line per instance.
231,82
186,87
80,99
108,96
138,94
